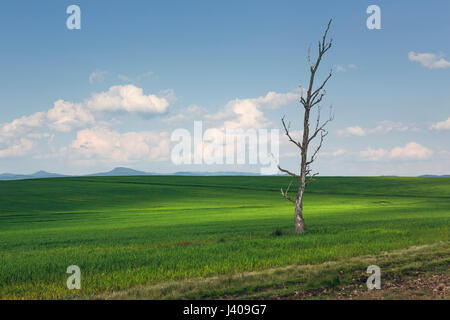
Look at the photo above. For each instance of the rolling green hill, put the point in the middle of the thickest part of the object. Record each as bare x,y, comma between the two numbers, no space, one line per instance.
129,232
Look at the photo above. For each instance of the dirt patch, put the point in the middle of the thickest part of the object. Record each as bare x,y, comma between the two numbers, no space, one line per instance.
423,287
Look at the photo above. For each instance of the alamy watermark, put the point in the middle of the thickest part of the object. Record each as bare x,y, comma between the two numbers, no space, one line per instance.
227,146
74,281
73,22
374,20
374,281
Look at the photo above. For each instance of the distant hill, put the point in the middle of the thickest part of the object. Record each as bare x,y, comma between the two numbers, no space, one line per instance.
435,176
121,171
36,175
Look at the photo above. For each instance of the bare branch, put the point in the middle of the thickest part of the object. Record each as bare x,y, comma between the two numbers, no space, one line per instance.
317,91
321,127
325,45
318,100
286,130
288,172
285,194
323,134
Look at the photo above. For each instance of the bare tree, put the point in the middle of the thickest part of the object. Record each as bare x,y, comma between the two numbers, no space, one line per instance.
313,98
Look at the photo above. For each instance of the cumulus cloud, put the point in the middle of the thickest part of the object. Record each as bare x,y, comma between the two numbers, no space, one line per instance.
248,113
274,100
245,114
352,131
443,125
106,145
18,148
128,98
66,116
429,60
411,151
22,125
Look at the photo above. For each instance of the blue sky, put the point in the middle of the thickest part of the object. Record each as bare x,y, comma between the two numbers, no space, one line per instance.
180,61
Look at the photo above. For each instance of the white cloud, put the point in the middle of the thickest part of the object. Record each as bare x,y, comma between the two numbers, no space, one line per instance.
352,131
443,125
97,76
411,151
429,60
19,148
22,125
106,145
247,113
128,98
66,116
273,100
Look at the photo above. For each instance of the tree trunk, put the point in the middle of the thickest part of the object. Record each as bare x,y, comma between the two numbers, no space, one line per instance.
298,217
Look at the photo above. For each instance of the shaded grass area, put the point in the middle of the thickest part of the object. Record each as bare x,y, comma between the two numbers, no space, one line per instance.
128,232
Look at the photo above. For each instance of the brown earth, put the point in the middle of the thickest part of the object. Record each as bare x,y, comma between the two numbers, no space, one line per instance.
423,287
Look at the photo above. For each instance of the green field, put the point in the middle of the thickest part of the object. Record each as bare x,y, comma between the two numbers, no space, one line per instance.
133,232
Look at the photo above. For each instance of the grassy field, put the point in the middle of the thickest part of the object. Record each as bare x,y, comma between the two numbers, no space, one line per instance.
134,236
